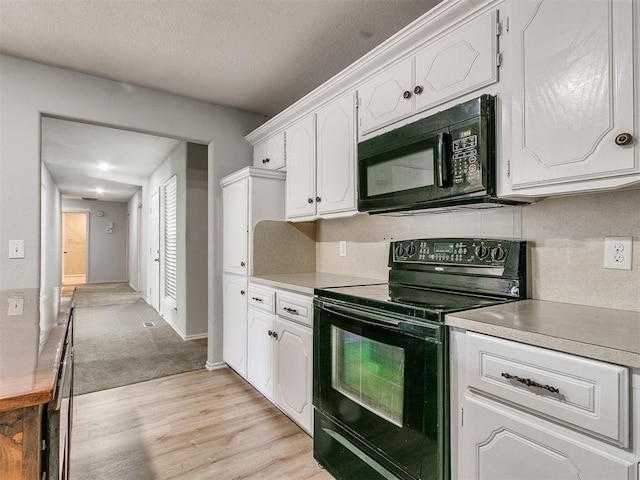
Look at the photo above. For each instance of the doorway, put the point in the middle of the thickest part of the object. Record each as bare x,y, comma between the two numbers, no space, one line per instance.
154,251
74,248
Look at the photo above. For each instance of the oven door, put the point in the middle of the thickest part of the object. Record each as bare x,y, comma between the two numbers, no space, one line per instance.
379,378
407,175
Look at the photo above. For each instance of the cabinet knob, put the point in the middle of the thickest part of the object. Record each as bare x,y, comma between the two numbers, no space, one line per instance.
406,94
310,200
318,199
242,264
624,139
242,292
274,335
418,89
270,333
265,160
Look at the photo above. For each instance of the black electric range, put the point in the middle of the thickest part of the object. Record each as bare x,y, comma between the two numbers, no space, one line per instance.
381,355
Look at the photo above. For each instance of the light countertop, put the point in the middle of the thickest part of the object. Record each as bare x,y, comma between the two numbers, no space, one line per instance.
307,282
33,324
600,333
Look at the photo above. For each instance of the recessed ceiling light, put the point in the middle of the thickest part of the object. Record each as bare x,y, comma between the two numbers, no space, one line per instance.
104,166
99,190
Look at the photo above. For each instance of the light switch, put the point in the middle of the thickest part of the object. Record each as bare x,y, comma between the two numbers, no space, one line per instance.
16,248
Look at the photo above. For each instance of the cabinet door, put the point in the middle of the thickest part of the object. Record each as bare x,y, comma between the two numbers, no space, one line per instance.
382,99
234,316
269,153
293,371
260,344
572,73
235,198
301,165
336,157
502,443
457,63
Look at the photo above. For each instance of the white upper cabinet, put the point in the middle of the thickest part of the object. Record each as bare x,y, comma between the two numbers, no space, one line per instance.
269,153
336,184
386,98
573,96
249,196
462,60
301,157
321,163
235,211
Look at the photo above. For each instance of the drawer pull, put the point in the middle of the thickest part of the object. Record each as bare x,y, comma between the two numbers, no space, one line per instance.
530,383
257,299
292,311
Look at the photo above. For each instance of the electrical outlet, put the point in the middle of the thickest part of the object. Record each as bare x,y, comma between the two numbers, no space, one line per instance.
16,248
343,248
618,252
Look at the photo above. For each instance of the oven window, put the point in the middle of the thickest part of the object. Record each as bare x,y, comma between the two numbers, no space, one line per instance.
368,372
401,173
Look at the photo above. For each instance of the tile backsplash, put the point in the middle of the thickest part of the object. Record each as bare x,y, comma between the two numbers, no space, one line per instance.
566,237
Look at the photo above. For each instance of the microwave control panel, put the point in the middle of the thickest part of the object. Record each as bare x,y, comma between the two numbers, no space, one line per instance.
464,160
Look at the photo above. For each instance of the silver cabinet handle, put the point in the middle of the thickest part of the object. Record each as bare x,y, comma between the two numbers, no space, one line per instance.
530,383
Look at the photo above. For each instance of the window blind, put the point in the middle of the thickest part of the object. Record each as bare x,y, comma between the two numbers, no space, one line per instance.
170,237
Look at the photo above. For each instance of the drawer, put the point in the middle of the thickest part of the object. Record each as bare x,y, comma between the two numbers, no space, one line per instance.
262,298
293,306
589,395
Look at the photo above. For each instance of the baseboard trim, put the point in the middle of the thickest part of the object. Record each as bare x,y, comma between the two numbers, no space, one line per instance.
215,366
197,336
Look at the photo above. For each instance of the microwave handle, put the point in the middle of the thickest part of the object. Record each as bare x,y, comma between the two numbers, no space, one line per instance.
442,160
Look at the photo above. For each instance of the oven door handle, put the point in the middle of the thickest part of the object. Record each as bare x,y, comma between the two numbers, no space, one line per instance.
365,317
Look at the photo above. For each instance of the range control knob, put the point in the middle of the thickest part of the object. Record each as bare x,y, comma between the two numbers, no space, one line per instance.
482,251
399,251
498,254
411,250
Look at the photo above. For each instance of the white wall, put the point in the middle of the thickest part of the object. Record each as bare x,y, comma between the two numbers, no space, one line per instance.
28,90
196,240
134,246
107,252
51,232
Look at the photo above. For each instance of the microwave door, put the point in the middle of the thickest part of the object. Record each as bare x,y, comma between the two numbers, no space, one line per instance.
406,175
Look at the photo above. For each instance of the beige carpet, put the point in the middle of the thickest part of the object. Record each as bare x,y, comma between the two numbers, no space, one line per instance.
98,294
108,360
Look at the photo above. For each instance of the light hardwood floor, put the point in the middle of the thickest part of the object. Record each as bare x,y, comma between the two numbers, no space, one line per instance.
198,426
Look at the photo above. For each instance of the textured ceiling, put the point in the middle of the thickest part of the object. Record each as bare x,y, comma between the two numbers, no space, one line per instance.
255,55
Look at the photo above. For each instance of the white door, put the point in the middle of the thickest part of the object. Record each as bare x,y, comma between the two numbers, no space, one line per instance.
293,380
572,91
154,251
301,168
501,443
260,345
235,229
336,157
234,316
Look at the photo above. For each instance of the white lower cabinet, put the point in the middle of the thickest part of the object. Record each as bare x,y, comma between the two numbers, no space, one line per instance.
500,442
279,347
260,351
293,381
234,318
521,412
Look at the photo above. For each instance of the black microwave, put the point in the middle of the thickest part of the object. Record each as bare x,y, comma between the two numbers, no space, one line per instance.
446,159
